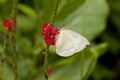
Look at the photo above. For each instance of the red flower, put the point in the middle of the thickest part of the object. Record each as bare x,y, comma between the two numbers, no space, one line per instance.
49,40
49,34
49,71
54,31
8,24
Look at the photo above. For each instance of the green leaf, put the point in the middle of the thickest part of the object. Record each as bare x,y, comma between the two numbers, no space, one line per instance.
63,8
88,20
69,68
27,10
67,72
67,7
99,49
112,40
71,71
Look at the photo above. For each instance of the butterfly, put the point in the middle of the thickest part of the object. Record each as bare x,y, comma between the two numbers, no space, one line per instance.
69,43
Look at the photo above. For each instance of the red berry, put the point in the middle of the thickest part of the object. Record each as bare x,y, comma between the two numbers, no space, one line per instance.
49,71
46,27
44,33
55,31
8,24
49,40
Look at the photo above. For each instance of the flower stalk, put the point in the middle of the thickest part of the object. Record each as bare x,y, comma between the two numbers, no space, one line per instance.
55,12
46,62
2,60
13,17
47,46
7,24
2,70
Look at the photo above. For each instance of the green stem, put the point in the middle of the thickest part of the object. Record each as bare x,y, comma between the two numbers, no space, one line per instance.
89,69
13,16
46,62
3,58
14,11
14,58
82,63
2,71
47,47
84,33
55,12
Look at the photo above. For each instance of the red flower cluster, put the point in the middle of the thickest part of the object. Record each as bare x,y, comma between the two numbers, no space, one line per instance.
8,24
49,34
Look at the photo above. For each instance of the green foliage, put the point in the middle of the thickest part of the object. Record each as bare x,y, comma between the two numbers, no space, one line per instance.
27,10
115,16
2,1
86,17
89,19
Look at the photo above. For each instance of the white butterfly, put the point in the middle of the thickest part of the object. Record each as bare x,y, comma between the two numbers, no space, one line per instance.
70,42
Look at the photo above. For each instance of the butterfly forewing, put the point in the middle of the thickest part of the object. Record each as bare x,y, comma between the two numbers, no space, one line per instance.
70,42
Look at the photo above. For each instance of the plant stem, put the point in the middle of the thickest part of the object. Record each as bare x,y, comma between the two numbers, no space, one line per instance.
13,16
14,11
47,46
89,69
2,71
55,12
46,62
82,63
84,33
2,61
3,58
14,58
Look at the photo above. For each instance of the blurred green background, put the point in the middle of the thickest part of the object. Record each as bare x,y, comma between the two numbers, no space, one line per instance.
97,20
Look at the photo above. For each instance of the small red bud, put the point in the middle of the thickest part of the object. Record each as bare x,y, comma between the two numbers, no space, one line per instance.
49,34
49,71
8,24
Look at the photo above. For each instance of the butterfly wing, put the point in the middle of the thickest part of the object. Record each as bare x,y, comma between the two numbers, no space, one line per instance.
70,42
